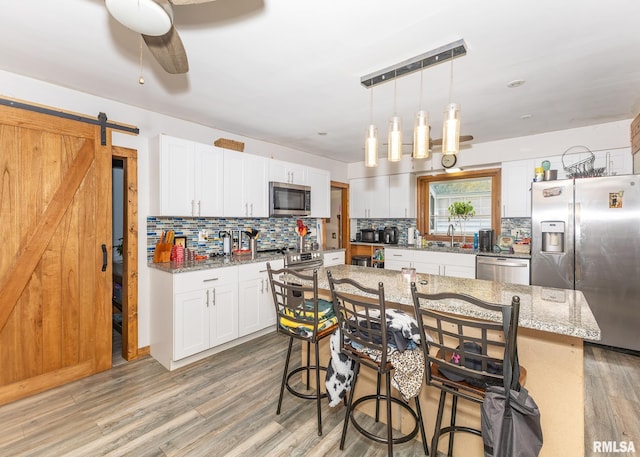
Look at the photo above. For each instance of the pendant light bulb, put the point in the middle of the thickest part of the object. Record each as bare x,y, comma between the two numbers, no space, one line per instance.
394,152
371,140
451,129
451,122
395,139
421,136
371,147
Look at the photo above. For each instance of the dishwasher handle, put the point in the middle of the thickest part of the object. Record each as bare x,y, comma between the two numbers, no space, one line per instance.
503,261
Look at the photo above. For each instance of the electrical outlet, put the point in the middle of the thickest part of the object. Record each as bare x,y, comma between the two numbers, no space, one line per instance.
514,233
202,235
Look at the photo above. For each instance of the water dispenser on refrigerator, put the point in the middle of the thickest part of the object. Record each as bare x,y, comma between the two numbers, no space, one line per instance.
552,236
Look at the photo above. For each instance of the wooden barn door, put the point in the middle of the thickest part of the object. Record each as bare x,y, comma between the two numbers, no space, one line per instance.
55,285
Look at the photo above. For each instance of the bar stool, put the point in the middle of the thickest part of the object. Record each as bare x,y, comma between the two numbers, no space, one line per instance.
469,354
363,326
303,316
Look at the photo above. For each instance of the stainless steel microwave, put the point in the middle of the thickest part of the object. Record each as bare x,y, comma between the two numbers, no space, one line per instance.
289,199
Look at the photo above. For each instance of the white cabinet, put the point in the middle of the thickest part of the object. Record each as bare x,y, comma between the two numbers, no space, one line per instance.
431,262
369,197
397,259
320,182
245,185
192,312
517,177
402,196
446,263
333,258
291,173
187,177
256,310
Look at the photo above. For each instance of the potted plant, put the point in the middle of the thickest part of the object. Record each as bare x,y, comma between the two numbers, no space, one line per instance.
460,212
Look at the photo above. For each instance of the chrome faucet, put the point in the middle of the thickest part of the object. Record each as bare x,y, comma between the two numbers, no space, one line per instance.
450,232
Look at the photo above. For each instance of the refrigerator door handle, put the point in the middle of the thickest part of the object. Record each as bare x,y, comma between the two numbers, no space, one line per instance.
576,228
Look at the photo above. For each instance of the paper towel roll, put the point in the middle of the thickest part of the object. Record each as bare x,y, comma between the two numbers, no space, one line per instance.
411,234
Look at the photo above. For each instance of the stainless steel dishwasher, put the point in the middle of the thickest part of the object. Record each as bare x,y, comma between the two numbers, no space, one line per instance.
503,269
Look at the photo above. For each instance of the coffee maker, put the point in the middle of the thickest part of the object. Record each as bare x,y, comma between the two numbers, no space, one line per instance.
485,240
390,235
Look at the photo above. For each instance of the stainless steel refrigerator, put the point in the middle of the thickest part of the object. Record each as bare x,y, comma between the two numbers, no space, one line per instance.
586,236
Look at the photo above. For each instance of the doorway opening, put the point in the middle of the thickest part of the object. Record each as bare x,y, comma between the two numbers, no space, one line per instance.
124,256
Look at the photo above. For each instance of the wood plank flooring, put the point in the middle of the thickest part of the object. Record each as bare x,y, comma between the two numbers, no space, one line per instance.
225,406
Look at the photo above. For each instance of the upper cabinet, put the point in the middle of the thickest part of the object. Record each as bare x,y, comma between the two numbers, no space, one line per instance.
402,193
383,196
187,177
320,182
291,173
369,197
191,179
517,177
246,186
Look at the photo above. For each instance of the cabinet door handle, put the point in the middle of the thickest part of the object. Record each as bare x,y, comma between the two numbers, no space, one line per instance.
214,297
199,207
193,204
207,298
251,206
262,286
246,209
210,279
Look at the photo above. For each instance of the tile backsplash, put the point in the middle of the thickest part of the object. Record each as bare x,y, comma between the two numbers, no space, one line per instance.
275,232
521,226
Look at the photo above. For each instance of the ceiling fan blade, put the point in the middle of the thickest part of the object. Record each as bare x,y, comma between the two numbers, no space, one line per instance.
463,138
168,51
190,2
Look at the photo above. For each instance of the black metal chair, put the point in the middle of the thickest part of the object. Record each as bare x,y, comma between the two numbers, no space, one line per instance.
301,315
362,320
466,355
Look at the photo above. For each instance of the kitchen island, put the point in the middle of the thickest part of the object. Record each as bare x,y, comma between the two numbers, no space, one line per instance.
552,327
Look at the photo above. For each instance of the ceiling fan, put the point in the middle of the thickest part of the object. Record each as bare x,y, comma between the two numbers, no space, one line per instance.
153,19
438,141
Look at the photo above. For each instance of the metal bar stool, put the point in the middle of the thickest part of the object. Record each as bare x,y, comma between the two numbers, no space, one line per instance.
466,355
363,326
301,315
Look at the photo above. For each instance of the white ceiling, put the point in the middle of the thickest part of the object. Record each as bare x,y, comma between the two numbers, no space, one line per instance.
284,71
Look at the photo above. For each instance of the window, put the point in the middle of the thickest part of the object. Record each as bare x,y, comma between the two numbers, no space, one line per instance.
436,193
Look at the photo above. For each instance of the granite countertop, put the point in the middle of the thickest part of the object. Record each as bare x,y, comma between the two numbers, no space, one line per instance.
214,262
560,311
219,262
456,249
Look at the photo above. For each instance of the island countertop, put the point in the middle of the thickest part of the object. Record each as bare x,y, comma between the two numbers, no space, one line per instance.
560,311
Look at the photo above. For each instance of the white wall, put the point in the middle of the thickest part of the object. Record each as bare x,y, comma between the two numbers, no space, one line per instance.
602,137
150,124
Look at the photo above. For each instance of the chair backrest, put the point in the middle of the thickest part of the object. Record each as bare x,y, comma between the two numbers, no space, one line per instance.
479,352
361,316
295,296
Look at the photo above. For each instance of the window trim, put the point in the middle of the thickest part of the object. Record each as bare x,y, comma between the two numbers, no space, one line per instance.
423,203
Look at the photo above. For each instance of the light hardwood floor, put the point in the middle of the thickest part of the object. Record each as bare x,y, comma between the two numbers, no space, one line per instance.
225,406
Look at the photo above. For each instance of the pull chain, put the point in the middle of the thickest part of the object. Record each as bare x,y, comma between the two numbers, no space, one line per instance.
141,79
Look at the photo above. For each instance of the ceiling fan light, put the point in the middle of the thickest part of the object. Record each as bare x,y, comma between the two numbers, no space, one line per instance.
395,139
148,17
421,136
371,147
451,129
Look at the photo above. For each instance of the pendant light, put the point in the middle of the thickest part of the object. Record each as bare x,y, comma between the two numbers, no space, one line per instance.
451,122
371,141
395,133
421,131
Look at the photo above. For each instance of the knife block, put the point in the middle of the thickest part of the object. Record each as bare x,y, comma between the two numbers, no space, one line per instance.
162,252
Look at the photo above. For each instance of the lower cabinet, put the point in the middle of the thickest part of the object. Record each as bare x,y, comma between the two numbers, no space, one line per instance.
256,310
205,310
194,312
432,262
333,258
